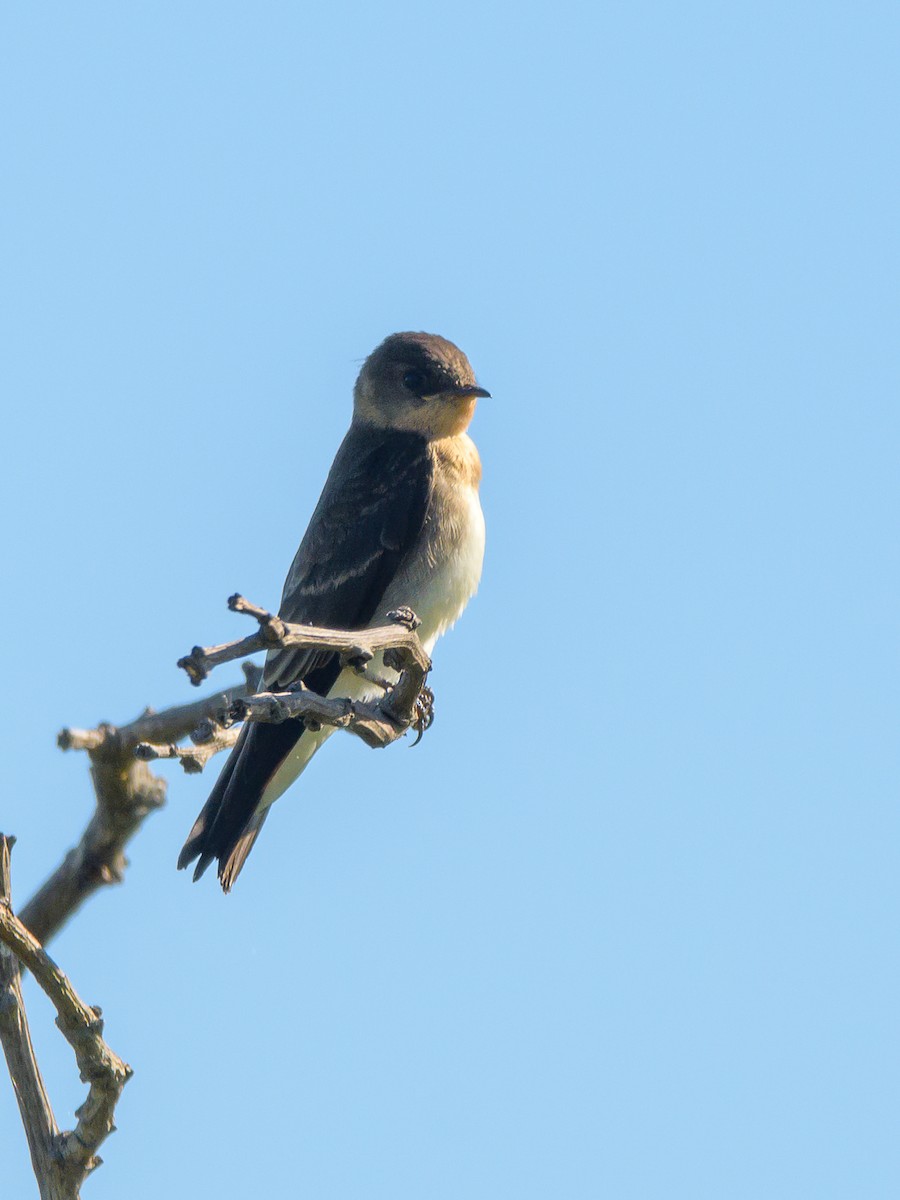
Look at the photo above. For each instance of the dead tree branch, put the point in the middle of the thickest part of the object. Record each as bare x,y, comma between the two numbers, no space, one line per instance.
34,1104
209,738
61,1161
127,792
406,703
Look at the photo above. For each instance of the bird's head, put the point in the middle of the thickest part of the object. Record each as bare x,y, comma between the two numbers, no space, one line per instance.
417,383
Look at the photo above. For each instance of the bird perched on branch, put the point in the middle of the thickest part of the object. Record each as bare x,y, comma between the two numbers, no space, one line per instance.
398,523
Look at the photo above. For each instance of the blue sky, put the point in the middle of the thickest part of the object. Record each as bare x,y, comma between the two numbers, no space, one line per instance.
625,923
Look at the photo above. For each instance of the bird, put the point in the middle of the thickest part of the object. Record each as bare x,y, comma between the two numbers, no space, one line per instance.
398,524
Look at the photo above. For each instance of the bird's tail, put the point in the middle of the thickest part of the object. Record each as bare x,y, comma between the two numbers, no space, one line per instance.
230,820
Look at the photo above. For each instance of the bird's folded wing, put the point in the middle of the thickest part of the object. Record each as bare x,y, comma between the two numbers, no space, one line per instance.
368,519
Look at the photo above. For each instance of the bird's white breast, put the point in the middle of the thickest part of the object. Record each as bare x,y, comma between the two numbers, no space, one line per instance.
452,581
443,571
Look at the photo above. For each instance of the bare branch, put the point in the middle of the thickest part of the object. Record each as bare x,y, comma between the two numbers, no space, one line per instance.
192,758
373,722
126,789
127,792
406,703
61,1161
275,633
41,1129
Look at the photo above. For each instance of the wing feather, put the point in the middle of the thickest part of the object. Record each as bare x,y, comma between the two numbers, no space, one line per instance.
370,515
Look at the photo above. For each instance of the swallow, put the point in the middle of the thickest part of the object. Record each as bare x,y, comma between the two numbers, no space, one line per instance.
399,523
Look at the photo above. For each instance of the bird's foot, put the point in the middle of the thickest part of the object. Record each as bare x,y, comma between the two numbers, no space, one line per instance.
423,715
404,616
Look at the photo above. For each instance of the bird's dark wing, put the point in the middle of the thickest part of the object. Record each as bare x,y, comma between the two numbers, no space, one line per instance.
368,518
371,513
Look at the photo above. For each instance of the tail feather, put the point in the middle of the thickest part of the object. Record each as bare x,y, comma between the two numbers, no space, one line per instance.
230,867
202,863
198,839
230,820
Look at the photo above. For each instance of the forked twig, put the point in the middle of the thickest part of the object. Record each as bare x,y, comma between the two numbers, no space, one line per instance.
406,703
61,1161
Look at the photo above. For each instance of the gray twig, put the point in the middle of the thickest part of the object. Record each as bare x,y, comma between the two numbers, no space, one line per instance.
127,792
61,1161
405,704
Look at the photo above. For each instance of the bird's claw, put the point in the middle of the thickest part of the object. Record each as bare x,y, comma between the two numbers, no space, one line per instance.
404,616
423,715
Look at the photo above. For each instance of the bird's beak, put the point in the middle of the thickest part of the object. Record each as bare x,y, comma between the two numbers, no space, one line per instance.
465,391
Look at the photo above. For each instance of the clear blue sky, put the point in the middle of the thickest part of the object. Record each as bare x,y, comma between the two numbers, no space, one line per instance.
625,924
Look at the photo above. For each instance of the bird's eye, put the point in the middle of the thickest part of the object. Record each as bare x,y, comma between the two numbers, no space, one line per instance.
414,380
